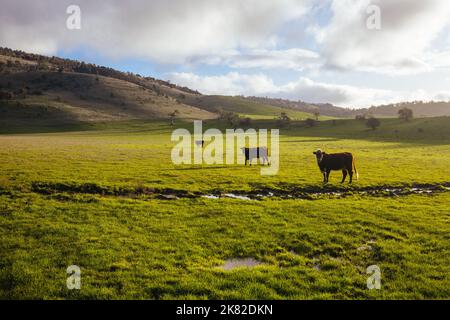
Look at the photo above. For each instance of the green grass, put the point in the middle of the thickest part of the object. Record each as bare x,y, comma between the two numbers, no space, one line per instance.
133,246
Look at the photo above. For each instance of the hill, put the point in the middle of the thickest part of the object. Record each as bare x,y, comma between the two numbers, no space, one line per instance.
36,89
57,91
325,109
421,109
85,97
245,107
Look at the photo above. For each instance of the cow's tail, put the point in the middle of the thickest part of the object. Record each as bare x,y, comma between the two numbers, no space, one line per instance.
354,169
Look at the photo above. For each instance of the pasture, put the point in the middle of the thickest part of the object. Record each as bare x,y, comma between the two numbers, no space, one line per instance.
106,197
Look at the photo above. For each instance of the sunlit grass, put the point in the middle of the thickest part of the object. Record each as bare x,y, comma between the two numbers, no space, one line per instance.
131,247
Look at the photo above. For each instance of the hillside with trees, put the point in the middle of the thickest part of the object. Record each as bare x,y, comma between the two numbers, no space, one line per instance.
36,88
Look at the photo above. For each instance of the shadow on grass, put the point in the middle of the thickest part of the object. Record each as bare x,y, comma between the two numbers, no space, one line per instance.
201,168
423,131
60,126
312,140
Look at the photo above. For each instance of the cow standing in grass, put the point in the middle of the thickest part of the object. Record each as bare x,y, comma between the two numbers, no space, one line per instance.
200,143
336,161
255,153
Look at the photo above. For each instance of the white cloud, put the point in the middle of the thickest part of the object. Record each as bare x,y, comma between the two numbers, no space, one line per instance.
232,83
292,59
439,59
164,31
303,89
236,33
408,29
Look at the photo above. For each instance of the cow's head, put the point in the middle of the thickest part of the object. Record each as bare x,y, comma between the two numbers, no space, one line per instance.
319,155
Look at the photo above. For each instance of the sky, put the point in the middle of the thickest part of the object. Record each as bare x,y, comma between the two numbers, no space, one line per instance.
351,53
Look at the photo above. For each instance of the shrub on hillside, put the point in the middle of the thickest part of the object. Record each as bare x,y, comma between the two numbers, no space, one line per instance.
21,91
284,120
6,95
230,117
405,114
172,116
373,123
310,122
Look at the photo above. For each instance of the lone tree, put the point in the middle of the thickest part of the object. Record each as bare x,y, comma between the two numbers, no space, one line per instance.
316,115
173,116
284,120
373,123
310,122
405,114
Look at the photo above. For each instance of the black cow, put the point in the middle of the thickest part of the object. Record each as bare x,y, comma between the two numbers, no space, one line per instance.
336,161
251,153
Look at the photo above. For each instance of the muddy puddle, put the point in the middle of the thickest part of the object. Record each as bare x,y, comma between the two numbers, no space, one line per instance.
227,195
312,192
232,264
317,193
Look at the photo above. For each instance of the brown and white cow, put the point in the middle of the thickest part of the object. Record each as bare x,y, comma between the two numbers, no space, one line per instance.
336,161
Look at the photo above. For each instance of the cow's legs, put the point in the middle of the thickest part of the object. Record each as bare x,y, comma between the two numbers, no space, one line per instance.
344,175
326,176
350,173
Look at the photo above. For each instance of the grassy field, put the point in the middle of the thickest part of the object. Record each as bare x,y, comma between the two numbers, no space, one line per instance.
76,197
